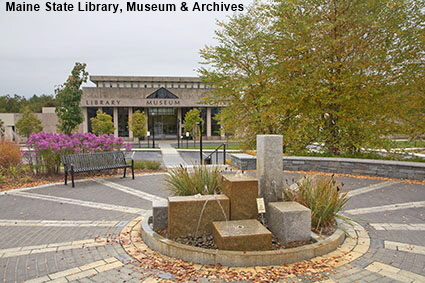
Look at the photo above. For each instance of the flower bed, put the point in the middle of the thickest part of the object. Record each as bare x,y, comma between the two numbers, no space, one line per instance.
46,149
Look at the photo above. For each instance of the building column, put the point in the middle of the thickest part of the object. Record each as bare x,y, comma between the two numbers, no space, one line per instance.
130,114
208,121
85,122
115,109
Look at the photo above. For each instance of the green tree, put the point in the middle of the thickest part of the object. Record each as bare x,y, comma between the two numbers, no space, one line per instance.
324,71
102,123
137,124
16,103
36,103
28,124
68,97
12,104
191,120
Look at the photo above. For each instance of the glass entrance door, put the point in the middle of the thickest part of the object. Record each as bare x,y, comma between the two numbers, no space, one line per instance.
165,119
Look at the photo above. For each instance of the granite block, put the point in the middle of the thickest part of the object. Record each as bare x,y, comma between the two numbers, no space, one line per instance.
185,212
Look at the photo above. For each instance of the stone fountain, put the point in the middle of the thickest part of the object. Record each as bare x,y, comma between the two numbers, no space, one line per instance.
232,218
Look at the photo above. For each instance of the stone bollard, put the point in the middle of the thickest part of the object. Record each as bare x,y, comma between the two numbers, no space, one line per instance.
270,167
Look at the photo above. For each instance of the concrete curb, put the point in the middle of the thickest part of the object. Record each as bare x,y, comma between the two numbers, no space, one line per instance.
355,245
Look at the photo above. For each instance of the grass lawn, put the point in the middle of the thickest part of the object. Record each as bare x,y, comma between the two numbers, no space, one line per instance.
209,146
406,144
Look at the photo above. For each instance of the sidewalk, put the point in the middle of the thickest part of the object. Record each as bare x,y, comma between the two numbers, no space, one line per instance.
170,156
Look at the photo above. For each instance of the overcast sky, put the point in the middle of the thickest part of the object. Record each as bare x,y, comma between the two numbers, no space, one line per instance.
38,49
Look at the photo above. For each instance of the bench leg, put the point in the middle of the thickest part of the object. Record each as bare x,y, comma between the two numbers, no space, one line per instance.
72,177
66,177
125,171
132,169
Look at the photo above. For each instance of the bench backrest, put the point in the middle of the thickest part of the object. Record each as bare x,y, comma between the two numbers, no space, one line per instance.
93,161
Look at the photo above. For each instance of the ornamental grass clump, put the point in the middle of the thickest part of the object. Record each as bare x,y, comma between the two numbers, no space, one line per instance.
10,154
322,195
200,179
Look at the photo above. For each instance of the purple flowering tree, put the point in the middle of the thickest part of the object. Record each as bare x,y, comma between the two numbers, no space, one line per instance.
47,148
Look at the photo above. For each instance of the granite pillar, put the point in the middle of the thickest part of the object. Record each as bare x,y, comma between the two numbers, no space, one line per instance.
270,167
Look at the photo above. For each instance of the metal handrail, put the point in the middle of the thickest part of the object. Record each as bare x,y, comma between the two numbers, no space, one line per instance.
216,152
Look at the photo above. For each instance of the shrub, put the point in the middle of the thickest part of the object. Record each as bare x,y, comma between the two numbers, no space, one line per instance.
49,147
10,154
320,194
146,164
199,180
102,123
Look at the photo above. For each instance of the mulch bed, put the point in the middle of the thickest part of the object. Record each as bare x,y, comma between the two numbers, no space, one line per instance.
43,179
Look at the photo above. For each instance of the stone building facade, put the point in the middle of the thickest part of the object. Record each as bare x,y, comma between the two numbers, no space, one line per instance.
164,100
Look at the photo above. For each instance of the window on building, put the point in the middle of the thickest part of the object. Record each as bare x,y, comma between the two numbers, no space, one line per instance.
91,113
123,121
109,111
215,127
203,112
118,84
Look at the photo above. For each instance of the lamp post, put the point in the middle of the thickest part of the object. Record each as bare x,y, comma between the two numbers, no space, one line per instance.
148,133
153,129
200,142
178,133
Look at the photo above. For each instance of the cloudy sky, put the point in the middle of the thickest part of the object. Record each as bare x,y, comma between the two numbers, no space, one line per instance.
39,49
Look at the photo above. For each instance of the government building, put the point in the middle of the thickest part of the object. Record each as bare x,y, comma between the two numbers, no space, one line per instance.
164,100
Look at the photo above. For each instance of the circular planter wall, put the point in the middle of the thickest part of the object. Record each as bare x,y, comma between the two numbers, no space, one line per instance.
237,258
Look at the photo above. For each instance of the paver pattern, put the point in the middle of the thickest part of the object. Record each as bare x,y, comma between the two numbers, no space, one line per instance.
61,234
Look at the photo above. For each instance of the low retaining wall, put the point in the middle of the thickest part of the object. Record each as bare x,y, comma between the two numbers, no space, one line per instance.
368,167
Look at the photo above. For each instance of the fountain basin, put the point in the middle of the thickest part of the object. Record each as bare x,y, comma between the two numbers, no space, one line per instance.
238,258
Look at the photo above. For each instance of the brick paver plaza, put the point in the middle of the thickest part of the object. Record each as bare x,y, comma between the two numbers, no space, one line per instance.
60,234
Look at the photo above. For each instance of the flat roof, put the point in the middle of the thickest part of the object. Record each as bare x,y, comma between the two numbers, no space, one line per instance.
143,79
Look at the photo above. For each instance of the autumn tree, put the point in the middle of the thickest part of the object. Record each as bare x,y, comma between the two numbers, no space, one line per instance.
318,71
68,97
102,123
28,124
137,124
191,120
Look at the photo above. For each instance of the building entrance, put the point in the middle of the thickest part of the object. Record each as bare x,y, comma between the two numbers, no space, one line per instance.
165,119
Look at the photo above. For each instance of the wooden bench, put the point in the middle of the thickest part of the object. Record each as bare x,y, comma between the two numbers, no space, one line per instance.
85,162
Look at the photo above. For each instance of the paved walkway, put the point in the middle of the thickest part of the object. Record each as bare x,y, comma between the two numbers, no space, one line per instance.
170,156
57,233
